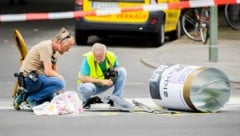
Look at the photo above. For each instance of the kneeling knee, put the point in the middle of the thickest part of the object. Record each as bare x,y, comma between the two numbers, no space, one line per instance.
122,71
60,84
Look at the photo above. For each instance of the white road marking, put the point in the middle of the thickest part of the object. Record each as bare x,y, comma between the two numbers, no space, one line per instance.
234,102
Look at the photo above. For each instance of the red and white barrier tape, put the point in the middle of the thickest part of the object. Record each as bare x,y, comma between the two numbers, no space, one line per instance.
78,14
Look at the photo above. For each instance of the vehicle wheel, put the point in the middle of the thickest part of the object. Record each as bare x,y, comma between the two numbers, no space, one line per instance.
159,37
81,37
176,33
232,15
204,23
190,24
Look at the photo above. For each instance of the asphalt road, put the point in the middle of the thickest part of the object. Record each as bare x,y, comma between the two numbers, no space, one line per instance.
225,122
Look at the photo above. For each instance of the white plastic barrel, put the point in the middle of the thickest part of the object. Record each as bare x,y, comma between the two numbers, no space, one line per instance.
191,88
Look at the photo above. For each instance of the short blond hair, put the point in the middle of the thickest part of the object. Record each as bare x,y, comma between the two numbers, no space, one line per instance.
61,34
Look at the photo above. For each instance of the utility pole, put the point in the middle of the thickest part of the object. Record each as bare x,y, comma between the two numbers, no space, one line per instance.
213,43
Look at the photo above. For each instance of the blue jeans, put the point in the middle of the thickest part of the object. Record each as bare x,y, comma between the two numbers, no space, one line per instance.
44,89
89,89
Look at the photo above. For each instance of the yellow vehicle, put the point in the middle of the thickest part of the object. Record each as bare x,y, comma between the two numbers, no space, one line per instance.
154,24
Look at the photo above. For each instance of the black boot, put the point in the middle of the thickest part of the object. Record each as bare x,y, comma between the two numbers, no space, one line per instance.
92,100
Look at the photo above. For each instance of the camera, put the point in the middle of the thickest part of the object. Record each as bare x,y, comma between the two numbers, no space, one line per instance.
110,74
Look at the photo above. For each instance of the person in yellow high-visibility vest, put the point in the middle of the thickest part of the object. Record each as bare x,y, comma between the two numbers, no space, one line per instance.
100,71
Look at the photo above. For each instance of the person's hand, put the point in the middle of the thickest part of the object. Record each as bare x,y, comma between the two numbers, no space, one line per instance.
61,77
107,82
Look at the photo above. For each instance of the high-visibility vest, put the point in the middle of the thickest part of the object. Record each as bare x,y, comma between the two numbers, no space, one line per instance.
95,69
